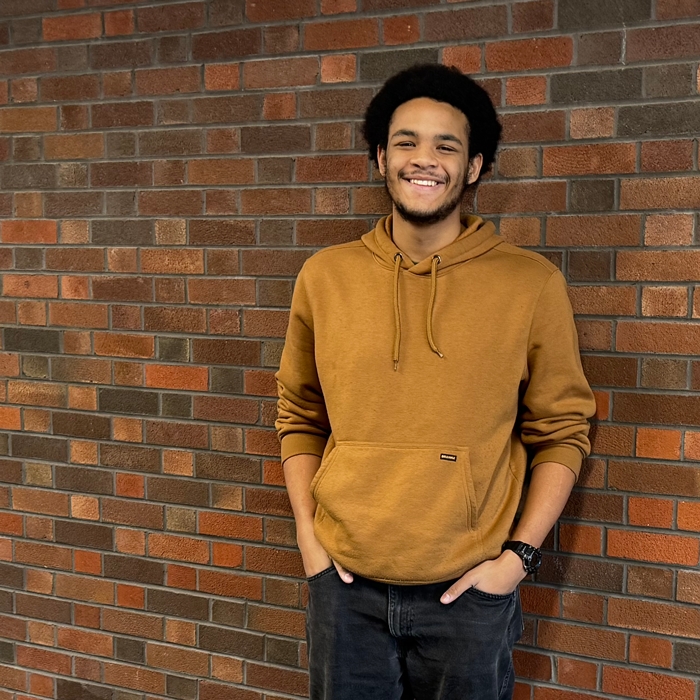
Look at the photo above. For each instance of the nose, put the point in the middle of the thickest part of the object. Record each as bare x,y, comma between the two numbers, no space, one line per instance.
423,157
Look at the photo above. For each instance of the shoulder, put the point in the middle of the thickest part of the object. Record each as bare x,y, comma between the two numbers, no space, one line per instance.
334,258
524,263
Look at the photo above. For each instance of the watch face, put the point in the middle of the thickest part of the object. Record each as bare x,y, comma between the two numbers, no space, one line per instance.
533,559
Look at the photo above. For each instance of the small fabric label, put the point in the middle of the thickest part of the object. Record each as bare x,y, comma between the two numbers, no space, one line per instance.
448,458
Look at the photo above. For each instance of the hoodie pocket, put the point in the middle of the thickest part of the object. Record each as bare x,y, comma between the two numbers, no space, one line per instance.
385,499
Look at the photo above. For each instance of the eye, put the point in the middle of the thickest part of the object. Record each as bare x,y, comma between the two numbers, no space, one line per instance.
447,148
405,143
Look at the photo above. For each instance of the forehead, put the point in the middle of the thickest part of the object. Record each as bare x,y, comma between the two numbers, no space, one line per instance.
425,115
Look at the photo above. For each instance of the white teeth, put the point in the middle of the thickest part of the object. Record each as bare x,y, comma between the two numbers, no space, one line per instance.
430,183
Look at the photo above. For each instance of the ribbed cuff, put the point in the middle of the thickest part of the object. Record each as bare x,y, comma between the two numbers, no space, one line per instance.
568,455
302,444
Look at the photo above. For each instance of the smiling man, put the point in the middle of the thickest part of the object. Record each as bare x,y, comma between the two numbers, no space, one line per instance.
429,368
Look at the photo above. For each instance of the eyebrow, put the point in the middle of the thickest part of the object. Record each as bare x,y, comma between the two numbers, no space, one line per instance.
438,137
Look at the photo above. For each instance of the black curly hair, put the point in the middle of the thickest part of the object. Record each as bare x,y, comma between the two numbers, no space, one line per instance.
442,83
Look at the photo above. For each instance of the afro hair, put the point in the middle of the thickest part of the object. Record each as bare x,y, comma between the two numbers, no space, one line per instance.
442,83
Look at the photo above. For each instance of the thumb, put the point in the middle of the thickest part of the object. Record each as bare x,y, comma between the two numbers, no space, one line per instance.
344,573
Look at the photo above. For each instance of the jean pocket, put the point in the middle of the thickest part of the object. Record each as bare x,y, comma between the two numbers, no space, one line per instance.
491,596
325,572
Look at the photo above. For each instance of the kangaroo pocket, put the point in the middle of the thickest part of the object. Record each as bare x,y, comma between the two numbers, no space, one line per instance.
397,512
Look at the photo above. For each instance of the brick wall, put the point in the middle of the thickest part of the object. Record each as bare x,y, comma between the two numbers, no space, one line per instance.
166,169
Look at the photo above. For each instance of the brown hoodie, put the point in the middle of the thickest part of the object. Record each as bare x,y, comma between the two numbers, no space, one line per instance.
423,387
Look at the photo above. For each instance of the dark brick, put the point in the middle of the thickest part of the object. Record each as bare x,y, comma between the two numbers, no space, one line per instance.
226,232
171,17
233,642
130,650
181,491
171,49
176,405
134,401
120,203
599,14
235,43
210,465
43,608
600,507
10,471
26,148
177,604
11,576
596,86
122,232
170,142
173,349
228,613
348,102
122,288
471,23
132,512
120,144
73,87
142,459
582,573
599,49
6,601
662,373
120,54
217,110
380,65
275,139
85,425
59,205
83,479
276,232
73,57
70,690
7,652
687,658
35,366
108,115
274,293
677,118
657,409
592,195
83,535
282,651
275,170
134,569
225,351
607,370
26,31
35,447
14,8
29,259
226,13
668,80
38,176
226,380
124,174
181,688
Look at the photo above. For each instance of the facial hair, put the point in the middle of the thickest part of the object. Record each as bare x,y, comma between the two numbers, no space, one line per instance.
426,218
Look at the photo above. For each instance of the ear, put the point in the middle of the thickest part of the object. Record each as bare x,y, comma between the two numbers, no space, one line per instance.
475,165
381,160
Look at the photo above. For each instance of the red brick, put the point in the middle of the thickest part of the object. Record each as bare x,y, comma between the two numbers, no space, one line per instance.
338,68
632,683
688,587
581,539
617,230
466,58
650,512
23,232
170,203
663,42
26,119
668,229
73,146
404,29
195,663
276,201
334,7
689,516
167,18
580,640
533,16
583,607
70,87
280,72
86,642
589,160
119,22
288,623
223,171
222,76
277,678
275,10
650,651
603,301
134,677
667,156
592,123
676,9
665,301
230,585
72,27
345,34
522,197
660,193
44,660
230,526
331,168
34,60
531,90
528,54
167,81
573,672
646,546
671,338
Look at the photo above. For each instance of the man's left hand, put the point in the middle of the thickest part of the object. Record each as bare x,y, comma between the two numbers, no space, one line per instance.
498,576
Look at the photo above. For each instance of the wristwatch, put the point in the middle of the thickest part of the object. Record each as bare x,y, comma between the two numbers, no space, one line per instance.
531,556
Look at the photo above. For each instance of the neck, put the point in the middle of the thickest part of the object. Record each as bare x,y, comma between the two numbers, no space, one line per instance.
420,242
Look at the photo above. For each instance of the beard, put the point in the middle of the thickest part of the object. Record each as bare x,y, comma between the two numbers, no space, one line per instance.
430,216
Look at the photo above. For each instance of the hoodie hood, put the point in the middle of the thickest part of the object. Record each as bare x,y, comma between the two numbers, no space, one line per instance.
476,238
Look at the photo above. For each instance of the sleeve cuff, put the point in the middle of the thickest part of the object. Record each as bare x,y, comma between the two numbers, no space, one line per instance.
302,443
568,455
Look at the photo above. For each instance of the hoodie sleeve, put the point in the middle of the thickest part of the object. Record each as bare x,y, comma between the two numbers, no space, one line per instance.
558,401
302,422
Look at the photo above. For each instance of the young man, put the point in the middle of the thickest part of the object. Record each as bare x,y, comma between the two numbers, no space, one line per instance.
426,367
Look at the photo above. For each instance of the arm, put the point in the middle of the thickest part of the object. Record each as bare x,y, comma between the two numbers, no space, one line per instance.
556,406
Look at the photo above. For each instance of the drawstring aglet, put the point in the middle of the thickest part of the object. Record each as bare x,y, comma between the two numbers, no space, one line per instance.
396,365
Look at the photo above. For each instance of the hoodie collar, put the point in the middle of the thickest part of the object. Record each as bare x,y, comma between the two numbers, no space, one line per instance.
476,238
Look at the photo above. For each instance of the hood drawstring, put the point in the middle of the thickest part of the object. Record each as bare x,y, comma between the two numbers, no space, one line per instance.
433,290
431,304
397,315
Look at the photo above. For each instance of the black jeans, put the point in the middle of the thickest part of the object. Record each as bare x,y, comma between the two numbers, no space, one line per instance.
377,641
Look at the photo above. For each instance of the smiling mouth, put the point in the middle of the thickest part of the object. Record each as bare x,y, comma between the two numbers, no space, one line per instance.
422,182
